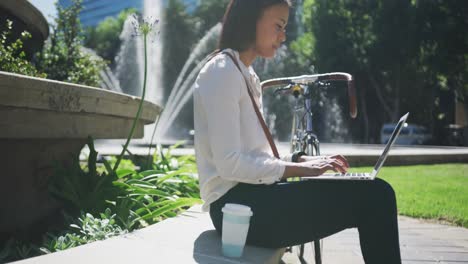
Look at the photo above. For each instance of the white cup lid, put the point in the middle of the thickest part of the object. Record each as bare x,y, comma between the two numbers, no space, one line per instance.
237,209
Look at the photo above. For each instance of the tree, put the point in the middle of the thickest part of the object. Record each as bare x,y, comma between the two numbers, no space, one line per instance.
179,30
209,13
444,57
62,57
179,33
104,39
398,51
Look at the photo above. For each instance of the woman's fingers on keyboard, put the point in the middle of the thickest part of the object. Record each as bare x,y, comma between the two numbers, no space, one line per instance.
327,167
328,163
331,165
339,165
342,159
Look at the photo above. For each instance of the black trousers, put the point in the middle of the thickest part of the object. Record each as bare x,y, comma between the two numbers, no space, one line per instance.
294,213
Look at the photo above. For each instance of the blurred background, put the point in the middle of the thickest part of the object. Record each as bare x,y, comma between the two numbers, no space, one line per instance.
405,56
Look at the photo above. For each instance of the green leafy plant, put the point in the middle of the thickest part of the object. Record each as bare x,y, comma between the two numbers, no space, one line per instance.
53,243
137,198
85,230
63,57
12,57
86,190
160,192
101,206
15,249
92,228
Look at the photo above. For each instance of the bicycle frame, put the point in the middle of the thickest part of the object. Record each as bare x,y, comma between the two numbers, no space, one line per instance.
303,137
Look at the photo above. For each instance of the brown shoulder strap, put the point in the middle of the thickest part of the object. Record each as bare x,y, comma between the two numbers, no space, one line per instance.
257,111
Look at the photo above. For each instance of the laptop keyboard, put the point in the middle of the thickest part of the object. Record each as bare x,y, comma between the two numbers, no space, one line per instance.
351,174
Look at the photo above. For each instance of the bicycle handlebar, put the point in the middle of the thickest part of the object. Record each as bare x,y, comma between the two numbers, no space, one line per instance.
309,79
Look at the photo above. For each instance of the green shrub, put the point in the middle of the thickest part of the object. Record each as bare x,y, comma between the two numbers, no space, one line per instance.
63,57
12,57
138,198
86,230
101,204
15,249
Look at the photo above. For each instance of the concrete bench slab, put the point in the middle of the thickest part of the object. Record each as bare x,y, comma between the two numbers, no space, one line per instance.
188,238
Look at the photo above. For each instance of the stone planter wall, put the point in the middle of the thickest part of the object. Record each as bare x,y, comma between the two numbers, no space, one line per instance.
43,123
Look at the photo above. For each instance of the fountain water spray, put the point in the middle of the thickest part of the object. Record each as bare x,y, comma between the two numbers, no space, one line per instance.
129,66
181,91
153,9
108,79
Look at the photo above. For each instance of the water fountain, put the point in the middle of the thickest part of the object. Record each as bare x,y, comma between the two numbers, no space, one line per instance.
153,9
129,72
129,69
182,89
108,79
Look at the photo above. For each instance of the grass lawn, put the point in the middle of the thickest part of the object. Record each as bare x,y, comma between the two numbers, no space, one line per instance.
430,191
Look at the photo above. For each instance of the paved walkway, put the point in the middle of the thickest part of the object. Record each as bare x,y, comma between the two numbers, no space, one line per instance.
190,238
421,243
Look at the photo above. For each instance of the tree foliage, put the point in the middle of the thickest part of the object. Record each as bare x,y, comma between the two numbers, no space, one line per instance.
62,57
104,38
12,56
209,13
402,54
406,56
179,31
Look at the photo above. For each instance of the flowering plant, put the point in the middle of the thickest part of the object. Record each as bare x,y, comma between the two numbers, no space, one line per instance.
146,28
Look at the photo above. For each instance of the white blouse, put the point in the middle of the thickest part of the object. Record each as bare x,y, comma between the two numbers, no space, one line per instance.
230,144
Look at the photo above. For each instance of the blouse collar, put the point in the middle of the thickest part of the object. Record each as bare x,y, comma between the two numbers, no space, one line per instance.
248,72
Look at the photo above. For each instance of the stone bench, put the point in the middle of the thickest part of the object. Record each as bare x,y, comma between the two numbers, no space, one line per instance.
187,238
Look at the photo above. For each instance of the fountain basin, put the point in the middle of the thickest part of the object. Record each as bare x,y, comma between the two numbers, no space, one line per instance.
44,123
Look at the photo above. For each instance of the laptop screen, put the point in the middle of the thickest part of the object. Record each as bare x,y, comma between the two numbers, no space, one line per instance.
390,142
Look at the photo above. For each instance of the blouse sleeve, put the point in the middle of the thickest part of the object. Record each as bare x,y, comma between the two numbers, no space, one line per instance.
220,93
286,157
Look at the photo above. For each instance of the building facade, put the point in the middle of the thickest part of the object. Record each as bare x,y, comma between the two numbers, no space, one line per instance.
94,11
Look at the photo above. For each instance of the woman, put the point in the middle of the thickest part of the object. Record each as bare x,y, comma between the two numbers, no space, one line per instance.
236,165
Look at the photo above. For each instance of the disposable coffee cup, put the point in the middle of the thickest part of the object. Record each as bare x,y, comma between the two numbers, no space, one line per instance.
236,221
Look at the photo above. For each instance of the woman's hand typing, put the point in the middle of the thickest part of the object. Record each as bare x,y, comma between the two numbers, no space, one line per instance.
316,165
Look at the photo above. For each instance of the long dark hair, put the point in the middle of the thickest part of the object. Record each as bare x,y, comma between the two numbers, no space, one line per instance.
240,22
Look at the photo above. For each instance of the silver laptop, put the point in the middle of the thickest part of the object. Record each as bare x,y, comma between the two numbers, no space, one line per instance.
377,167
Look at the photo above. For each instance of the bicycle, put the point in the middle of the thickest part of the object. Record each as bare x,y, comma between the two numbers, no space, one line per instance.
303,137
